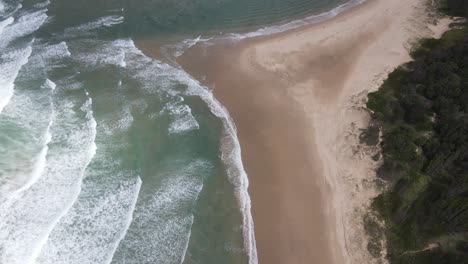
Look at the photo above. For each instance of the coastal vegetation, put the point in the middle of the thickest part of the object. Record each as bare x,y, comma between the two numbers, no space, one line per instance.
422,110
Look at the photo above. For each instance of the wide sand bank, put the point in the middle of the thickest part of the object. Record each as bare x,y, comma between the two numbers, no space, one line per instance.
296,99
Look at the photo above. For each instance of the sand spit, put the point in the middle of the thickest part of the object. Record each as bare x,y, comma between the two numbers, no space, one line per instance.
297,99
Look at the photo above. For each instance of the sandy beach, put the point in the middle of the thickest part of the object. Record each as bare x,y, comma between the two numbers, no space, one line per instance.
297,100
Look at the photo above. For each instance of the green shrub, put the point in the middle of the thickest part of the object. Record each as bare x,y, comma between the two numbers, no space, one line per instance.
423,111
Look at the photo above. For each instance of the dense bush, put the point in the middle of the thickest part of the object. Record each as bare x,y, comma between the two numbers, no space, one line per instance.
423,110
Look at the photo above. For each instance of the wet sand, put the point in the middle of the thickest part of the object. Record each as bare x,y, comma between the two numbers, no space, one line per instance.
284,169
296,99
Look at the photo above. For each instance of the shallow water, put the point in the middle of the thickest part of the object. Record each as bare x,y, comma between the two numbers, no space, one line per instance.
109,156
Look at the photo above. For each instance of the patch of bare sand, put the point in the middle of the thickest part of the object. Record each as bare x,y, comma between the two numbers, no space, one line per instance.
297,99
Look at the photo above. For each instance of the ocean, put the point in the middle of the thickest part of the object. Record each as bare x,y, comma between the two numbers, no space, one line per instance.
108,155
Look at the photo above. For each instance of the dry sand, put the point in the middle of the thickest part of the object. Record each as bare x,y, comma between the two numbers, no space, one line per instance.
296,99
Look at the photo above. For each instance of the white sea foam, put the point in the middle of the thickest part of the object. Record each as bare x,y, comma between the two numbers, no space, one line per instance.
62,209
26,224
14,59
186,44
24,25
42,4
49,84
28,113
298,23
9,10
125,120
5,23
96,223
146,71
9,69
88,29
25,129
231,156
183,123
187,239
44,58
39,163
107,21
128,220
116,122
118,60
56,51
4,7
103,53
181,115
162,221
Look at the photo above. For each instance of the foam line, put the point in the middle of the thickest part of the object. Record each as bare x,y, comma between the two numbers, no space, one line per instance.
23,26
87,29
189,234
5,23
96,223
27,223
9,71
91,152
158,219
184,45
30,114
302,22
39,164
231,149
128,221
231,156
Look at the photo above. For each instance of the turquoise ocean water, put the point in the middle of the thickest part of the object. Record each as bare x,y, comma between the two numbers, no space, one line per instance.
110,156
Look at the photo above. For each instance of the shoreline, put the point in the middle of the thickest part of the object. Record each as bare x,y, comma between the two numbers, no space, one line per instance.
296,98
